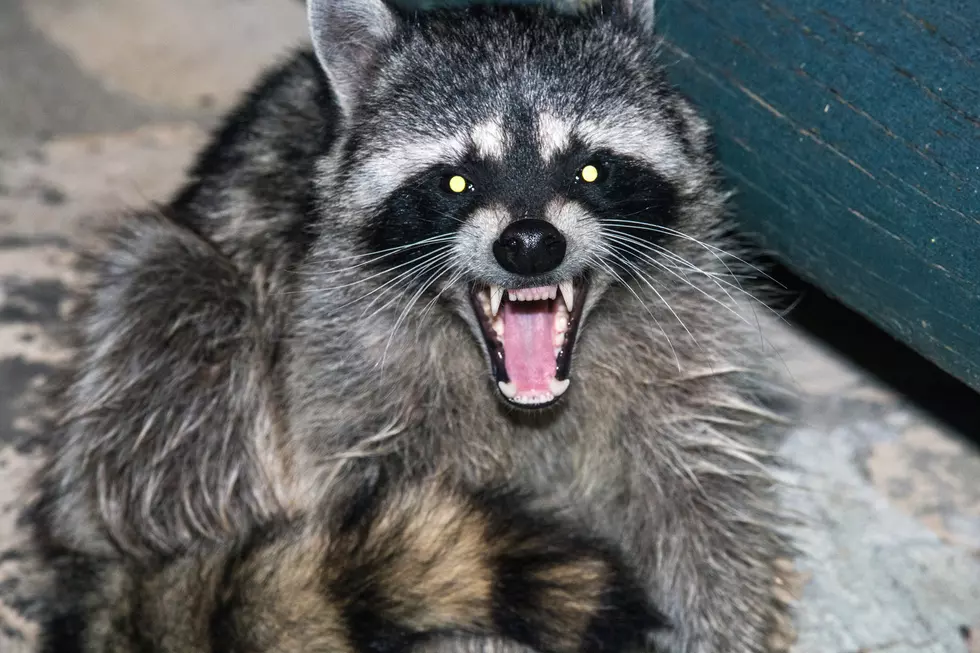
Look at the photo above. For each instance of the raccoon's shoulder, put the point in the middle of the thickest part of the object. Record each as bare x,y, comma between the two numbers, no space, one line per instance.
251,181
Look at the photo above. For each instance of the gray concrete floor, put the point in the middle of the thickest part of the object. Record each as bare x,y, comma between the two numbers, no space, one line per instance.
102,104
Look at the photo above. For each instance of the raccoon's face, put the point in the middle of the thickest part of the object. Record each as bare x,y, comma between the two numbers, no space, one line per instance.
515,162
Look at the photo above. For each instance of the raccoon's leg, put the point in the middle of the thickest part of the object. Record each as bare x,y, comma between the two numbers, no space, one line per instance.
164,432
402,567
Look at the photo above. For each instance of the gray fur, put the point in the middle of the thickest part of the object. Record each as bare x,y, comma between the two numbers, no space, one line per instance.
319,375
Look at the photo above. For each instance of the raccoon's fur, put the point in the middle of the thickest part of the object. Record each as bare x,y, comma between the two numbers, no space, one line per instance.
396,568
315,310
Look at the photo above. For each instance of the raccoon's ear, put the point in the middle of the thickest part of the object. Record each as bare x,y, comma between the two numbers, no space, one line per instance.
642,12
347,36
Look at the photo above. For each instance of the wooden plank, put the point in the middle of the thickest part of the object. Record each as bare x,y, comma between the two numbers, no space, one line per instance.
851,130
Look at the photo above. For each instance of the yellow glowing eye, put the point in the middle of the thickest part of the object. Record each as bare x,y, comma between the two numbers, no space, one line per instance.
458,184
589,174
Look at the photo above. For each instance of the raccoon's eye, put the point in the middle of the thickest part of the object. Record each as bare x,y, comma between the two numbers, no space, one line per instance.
591,173
456,184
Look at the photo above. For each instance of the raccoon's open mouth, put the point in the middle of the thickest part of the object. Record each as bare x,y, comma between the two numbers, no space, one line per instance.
529,333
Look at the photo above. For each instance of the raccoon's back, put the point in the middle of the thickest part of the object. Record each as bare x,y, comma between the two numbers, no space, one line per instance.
249,190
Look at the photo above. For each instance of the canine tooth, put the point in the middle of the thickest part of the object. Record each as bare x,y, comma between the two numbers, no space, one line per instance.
557,387
568,293
496,296
509,389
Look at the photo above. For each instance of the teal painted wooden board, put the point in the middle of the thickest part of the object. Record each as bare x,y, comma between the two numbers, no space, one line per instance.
852,131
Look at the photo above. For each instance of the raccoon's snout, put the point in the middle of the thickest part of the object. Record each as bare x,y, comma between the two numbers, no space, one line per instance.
529,332
530,247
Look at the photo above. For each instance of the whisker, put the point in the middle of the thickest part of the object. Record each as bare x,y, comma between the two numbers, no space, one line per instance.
380,254
646,257
414,299
754,301
403,279
720,282
455,279
439,250
680,234
737,286
600,263
637,274
625,240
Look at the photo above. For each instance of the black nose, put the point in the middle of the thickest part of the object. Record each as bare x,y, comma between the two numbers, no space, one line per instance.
530,247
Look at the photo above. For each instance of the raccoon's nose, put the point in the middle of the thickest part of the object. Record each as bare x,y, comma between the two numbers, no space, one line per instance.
530,247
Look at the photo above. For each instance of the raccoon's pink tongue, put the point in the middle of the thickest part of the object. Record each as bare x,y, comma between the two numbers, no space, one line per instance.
528,344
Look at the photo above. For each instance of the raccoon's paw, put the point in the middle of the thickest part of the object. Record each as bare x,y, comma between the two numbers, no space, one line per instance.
566,599
559,592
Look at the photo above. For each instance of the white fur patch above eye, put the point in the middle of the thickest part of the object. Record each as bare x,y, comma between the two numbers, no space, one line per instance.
639,139
554,135
490,139
388,169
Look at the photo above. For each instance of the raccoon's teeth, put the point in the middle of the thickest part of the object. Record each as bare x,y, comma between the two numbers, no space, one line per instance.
535,399
559,340
532,294
496,296
568,294
557,387
561,323
498,327
508,389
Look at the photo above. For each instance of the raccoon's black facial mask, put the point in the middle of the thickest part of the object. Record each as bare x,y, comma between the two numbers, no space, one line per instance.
529,261
528,310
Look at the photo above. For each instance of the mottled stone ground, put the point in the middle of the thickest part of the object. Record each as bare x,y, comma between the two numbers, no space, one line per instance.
102,103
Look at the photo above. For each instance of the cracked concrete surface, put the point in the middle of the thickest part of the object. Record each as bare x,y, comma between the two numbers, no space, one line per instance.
104,103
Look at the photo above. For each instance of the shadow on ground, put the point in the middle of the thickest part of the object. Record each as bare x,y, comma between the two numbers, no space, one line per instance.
847,332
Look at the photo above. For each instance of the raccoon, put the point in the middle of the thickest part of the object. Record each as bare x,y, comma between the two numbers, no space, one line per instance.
394,569
487,244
